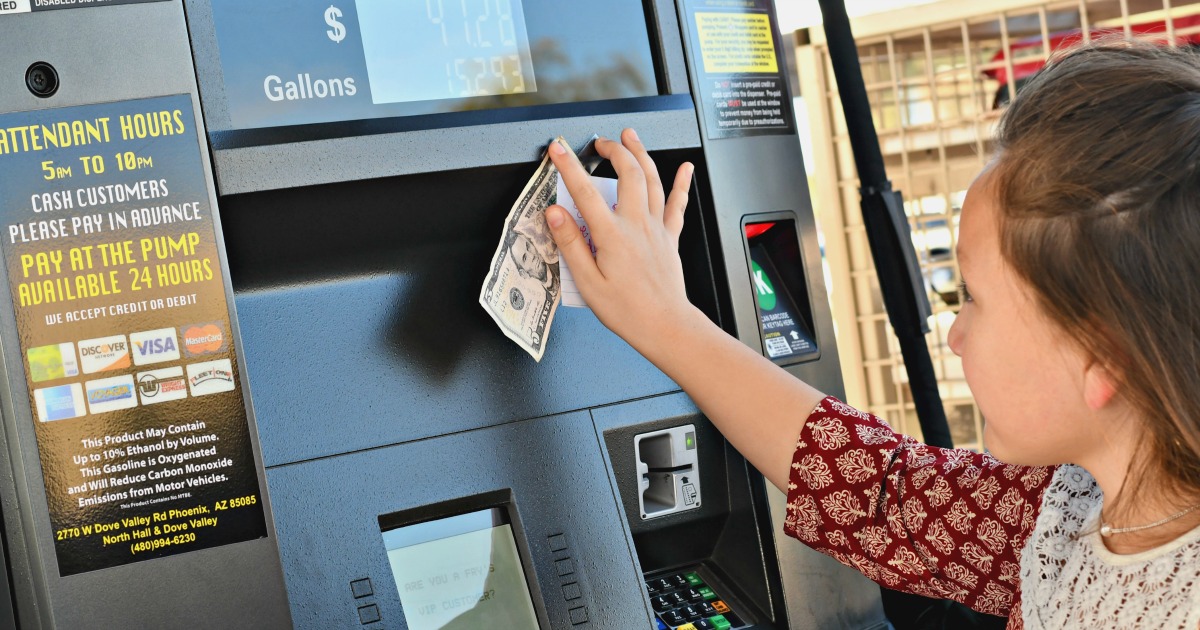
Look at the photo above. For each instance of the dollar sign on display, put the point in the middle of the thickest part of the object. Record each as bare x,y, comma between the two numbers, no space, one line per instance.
338,32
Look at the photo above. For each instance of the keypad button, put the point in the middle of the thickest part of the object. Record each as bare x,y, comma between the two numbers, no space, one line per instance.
720,622
652,587
686,626
578,615
707,592
693,578
690,613
705,609
678,598
361,588
659,625
693,595
368,614
721,606
703,624
673,618
660,604
678,581
663,585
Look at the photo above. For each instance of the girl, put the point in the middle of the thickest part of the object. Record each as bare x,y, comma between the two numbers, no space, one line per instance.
1079,335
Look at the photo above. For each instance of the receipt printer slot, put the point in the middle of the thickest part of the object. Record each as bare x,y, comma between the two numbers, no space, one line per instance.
668,471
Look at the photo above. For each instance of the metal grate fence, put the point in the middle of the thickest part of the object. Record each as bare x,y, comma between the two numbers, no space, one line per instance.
938,77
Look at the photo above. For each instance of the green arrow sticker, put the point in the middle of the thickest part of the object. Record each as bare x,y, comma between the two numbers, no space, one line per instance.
762,286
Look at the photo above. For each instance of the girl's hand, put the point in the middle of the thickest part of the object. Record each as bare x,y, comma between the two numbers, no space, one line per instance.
634,284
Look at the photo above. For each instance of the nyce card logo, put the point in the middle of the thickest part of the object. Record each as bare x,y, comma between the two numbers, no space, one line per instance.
201,339
106,353
59,403
154,346
47,363
111,394
211,377
162,385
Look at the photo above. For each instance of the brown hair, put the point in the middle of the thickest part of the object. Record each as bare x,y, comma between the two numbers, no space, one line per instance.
1098,179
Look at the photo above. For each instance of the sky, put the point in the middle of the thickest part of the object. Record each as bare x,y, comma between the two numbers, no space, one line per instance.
797,14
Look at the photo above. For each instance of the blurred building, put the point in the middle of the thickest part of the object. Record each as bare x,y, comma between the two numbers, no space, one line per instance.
938,77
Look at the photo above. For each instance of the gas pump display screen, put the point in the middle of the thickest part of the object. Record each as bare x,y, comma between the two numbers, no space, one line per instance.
292,62
460,572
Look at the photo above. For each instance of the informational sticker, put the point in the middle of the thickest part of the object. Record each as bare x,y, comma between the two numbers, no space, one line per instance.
784,334
27,6
110,249
742,88
736,42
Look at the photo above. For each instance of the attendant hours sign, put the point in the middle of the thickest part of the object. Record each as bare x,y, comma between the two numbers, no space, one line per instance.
133,384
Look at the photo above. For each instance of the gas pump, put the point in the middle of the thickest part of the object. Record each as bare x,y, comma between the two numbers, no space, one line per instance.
246,382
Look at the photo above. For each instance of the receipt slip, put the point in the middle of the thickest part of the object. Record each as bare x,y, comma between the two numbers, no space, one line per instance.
608,190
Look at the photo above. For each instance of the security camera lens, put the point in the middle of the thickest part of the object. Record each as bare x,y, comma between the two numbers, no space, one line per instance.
42,79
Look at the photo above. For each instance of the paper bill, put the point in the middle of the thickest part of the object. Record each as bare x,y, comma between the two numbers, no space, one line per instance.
608,190
523,289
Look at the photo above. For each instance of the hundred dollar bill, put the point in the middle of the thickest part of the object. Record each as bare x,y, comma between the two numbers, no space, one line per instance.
523,287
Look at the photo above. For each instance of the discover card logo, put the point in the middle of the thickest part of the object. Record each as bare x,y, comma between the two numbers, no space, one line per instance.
210,377
154,346
59,403
162,385
111,394
104,354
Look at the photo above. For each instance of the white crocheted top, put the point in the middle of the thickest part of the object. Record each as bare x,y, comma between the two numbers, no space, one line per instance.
1070,580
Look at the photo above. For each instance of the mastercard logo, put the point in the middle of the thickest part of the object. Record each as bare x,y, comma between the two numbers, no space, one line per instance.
204,339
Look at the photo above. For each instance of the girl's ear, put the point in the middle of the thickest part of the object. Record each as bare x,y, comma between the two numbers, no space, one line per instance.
1099,386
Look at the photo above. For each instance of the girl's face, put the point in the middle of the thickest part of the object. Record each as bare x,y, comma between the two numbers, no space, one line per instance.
1027,378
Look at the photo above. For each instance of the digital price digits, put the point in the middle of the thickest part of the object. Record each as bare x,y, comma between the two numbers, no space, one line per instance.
450,49
487,28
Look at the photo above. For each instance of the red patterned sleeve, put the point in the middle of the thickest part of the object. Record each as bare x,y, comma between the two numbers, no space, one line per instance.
945,523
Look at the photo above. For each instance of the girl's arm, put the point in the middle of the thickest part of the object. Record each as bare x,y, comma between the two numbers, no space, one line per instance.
944,523
940,522
635,286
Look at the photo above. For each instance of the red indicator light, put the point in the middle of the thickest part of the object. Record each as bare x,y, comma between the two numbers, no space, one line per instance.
757,229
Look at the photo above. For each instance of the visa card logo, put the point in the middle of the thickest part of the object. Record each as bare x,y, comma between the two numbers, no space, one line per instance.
104,354
59,403
47,363
154,346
